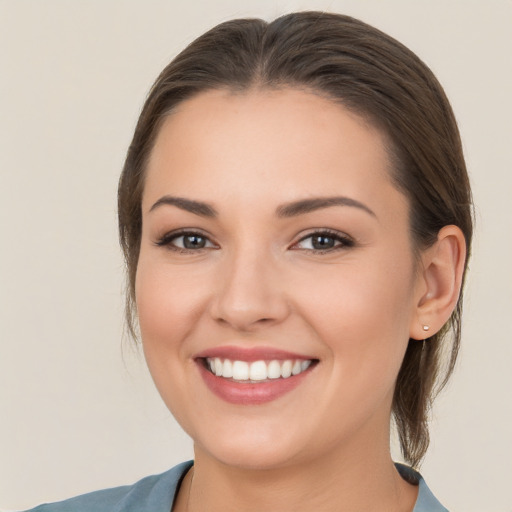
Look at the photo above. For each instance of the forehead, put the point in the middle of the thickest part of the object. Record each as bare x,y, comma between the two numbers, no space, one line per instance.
260,144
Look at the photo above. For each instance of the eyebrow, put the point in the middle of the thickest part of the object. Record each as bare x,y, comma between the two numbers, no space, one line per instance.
287,210
309,205
189,205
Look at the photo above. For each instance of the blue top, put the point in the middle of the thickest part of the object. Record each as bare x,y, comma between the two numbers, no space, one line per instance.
156,494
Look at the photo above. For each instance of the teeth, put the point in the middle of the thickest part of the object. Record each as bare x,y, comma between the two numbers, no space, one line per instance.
240,370
305,364
227,369
274,370
257,370
218,367
296,368
286,369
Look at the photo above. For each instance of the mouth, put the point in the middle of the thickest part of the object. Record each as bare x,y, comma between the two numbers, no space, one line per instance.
256,371
247,376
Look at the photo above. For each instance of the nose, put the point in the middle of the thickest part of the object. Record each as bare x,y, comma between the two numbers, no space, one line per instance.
249,292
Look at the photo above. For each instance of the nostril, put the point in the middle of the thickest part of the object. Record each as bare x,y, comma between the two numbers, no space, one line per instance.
246,304
245,323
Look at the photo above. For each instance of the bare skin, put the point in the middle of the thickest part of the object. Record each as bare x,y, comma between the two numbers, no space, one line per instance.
336,284
330,489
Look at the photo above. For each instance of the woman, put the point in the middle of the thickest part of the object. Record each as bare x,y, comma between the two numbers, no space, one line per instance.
295,215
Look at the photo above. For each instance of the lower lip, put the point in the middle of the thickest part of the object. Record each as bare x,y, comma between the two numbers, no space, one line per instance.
245,393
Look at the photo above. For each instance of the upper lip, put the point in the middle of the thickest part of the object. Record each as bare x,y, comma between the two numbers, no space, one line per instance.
249,354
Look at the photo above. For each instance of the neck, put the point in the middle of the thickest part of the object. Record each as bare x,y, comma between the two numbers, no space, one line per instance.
334,483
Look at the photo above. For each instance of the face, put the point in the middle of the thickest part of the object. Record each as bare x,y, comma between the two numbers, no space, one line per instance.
275,286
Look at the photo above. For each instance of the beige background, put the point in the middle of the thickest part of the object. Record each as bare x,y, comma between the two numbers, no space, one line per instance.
77,412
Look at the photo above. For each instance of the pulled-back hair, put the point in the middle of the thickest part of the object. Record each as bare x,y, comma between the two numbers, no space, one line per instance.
372,75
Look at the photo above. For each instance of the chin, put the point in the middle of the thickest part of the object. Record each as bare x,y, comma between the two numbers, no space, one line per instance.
253,448
252,458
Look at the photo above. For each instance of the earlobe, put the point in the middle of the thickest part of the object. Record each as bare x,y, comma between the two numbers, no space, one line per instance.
440,281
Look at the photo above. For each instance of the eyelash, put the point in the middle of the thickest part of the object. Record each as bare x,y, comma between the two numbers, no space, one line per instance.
168,238
344,241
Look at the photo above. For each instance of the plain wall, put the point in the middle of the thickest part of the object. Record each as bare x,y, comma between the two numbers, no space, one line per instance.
78,412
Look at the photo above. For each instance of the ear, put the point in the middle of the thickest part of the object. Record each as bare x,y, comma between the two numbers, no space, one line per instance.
439,282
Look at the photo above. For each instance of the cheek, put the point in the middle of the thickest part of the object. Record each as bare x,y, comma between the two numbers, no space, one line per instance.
378,296
168,303
363,317
167,308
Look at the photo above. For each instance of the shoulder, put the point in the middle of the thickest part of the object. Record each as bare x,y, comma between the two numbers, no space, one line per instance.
426,501
155,493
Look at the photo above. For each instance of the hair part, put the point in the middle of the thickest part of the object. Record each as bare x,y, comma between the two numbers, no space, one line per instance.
375,77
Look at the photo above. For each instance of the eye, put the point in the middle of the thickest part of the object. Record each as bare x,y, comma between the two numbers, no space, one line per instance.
185,241
324,241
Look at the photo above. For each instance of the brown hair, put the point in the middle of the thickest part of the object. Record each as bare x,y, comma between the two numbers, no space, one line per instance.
376,77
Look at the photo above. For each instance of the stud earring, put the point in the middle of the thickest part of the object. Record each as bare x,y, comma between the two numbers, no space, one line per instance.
426,328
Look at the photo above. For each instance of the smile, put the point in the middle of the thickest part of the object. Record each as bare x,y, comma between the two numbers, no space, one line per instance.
252,376
256,371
